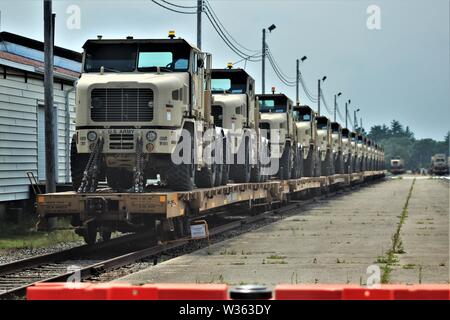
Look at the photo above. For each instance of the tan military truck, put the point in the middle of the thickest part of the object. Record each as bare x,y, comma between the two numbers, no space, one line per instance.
278,125
355,152
397,165
324,143
236,111
142,108
347,151
438,164
305,120
360,144
336,142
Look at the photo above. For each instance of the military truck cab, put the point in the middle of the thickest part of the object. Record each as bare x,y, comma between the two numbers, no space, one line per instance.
347,151
397,165
278,126
324,143
305,121
336,142
361,152
136,100
235,110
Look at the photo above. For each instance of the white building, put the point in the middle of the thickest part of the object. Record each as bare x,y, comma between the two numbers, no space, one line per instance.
22,126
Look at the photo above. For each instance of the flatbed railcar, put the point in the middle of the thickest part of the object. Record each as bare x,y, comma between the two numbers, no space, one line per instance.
163,211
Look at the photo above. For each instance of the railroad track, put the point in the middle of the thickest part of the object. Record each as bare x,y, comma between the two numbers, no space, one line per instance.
91,261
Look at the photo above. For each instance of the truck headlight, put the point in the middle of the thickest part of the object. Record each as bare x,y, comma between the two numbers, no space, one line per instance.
92,136
151,136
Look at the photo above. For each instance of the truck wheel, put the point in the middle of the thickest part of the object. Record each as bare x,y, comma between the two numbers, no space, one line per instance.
286,164
180,177
256,176
308,164
78,163
119,178
225,175
318,165
297,166
206,176
242,172
219,174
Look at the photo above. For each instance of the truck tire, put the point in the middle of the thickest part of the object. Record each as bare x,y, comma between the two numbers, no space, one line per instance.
317,165
327,164
219,174
348,165
78,163
297,168
206,176
242,172
225,174
285,169
119,178
180,177
308,164
255,175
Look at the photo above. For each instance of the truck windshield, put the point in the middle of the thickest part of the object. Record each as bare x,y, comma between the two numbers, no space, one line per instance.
230,83
120,57
112,57
167,61
270,105
299,116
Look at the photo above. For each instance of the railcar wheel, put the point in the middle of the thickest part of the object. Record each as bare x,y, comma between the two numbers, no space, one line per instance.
90,233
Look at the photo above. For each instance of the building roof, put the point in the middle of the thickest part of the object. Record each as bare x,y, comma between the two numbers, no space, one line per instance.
28,54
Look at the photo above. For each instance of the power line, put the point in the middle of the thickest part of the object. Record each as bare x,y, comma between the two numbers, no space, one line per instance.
178,6
170,9
207,4
224,37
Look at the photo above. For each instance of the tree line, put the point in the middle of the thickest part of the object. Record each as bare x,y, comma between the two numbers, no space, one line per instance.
399,141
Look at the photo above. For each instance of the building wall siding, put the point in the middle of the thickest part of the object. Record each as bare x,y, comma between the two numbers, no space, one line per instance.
19,103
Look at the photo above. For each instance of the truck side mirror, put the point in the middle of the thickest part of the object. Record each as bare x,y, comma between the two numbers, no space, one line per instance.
200,63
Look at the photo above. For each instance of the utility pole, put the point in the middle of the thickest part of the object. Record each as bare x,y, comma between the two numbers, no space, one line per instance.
318,101
199,23
346,115
335,106
263,82
50,183
355,121
297,99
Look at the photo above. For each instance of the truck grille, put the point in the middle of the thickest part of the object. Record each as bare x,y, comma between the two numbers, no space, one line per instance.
121,141
121,105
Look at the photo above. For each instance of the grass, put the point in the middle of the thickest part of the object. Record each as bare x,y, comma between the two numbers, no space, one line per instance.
409,266
25,236
274,256
397,245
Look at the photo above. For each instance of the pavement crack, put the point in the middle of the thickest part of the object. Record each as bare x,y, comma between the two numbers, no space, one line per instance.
397,245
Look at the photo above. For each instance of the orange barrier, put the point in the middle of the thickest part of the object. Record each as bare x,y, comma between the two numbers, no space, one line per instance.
116,291
351,292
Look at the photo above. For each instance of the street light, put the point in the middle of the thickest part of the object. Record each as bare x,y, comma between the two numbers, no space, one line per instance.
355,125
318,101
263,76
335,104
297,99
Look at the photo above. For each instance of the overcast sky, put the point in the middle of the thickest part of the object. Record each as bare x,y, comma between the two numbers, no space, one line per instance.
400,71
